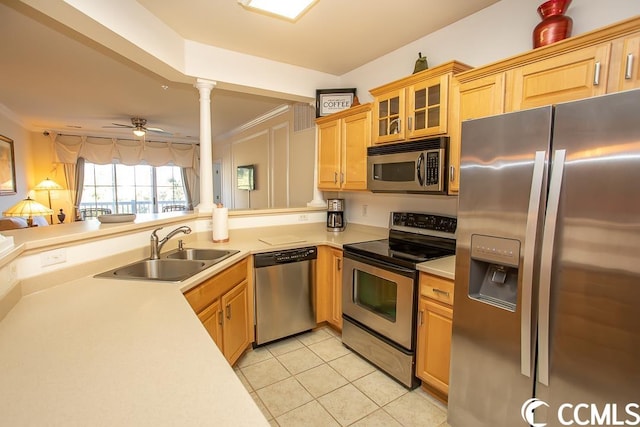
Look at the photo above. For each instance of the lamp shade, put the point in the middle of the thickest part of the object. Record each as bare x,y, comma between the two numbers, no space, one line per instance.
28,208
48,184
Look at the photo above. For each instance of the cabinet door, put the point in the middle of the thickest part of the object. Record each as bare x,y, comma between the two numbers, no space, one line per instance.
336,288
434,344
235,324
329,155
356,134
428,107
474,99
389,114
211,318
570,76
629,69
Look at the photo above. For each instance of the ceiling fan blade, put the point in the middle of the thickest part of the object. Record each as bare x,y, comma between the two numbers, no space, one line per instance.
118,126
158,130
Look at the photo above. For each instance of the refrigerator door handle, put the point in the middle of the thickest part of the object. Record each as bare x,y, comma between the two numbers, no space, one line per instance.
528,262
548,238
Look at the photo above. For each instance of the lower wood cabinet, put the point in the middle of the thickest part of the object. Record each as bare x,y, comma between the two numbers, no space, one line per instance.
435,319
222,305
329,286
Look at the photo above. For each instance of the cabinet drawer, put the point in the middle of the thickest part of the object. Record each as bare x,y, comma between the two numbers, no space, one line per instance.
205,293
436,288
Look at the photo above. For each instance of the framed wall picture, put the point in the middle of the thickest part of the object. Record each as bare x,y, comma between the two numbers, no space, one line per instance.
7,167
329,101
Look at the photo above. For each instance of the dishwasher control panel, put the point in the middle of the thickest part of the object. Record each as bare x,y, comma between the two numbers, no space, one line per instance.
286,256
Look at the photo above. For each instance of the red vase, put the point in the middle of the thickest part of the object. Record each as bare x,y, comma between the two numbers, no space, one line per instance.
555,26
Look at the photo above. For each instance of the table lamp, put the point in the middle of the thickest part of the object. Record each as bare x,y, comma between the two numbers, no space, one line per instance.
48,185
28,208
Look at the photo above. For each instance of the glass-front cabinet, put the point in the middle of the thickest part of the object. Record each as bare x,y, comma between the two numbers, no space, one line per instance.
389,116
428,108
416,106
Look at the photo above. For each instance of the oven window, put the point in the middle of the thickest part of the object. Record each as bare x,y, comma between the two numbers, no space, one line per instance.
376,294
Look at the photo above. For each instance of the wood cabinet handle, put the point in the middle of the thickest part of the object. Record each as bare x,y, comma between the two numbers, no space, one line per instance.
440,291
341,177
220,317
228,309
452,173
629,67
409,123
596,74
339,264
420,317
335,177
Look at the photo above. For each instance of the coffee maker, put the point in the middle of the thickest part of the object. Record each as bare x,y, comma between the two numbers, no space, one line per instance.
335,214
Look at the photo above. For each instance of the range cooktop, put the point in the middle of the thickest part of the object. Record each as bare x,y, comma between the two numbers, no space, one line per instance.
413,238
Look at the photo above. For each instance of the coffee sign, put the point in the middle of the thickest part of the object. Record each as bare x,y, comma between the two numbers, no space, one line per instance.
329,101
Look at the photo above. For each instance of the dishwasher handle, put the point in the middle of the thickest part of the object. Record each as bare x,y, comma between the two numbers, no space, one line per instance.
284,257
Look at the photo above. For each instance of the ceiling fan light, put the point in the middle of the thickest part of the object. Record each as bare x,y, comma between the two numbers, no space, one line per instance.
139,132
290,10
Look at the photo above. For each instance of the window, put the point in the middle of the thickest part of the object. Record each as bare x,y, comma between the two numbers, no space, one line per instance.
132,189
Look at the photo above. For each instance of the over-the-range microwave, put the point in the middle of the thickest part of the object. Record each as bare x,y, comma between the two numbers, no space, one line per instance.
409,167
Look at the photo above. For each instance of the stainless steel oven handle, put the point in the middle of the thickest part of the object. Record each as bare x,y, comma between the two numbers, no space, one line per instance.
533,217
418,166
548,238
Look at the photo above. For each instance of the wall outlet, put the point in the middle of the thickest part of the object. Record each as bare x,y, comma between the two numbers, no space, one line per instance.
364,210
57,256
303,217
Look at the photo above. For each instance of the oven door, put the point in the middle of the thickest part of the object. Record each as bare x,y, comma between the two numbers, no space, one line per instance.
381,297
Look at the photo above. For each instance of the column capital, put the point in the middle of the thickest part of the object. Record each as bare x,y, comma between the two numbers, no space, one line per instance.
203,84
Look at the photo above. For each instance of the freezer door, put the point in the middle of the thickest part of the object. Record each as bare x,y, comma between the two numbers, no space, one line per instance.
590,338
501,205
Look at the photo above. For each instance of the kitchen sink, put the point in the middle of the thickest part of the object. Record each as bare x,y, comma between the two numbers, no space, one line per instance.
174,266
157,269
199,254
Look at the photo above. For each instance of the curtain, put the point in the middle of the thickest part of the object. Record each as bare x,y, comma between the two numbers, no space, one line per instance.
191,179
68,148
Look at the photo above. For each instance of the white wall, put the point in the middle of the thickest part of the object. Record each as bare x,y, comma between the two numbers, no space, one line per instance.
495,33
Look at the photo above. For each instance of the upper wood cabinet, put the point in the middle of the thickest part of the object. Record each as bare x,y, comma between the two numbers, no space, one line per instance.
472,99
574,75
416,106
626,59
343,139
599,62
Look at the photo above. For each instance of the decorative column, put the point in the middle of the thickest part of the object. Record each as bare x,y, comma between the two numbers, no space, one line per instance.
206,150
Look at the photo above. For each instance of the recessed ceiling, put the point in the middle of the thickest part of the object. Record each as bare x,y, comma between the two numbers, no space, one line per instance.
57,79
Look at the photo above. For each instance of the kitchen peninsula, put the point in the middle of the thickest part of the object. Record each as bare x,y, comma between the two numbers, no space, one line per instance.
91,351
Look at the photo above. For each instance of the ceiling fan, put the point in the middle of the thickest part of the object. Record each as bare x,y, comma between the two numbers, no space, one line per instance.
139,127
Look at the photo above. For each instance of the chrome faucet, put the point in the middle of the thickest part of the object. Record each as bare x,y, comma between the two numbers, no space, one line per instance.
156,244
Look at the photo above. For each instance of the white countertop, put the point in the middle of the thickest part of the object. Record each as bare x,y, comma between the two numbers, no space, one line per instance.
114,352
444,267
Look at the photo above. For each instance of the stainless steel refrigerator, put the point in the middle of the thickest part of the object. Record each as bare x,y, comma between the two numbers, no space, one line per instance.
547,295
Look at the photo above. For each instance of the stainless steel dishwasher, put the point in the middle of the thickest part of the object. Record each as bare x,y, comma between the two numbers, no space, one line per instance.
284,296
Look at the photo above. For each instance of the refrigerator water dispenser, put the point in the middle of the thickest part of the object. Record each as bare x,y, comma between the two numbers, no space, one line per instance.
494,270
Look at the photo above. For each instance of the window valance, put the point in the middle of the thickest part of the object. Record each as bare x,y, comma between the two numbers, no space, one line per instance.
99,150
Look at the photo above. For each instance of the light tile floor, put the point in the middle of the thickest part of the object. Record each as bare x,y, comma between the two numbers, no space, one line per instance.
313,380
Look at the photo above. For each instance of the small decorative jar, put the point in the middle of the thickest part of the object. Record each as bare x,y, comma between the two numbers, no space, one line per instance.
555,25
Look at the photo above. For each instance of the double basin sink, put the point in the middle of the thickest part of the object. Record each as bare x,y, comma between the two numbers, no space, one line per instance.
174,266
